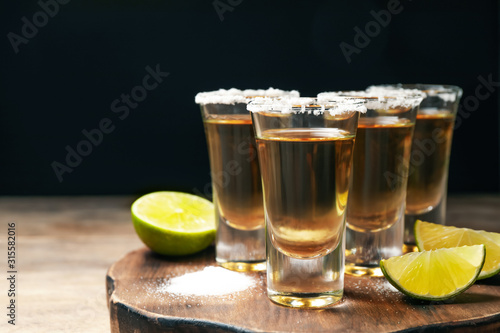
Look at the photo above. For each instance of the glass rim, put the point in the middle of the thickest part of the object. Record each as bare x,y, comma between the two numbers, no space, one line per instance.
442,91
381,98
335,105
237,96
380,93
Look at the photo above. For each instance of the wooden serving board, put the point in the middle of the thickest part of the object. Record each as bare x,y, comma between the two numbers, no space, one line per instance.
137,304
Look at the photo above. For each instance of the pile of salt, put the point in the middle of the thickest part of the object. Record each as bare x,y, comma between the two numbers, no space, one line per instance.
211,281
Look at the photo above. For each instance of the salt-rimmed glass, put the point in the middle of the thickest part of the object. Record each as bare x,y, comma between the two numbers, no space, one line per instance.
305,153
236,182
375,211
430,155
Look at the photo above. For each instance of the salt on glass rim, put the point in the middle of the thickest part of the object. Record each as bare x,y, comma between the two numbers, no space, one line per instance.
235,96
380,98
335,106
447,93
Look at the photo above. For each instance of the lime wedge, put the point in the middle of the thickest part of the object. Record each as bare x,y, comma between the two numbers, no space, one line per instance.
174,223
430,236
435,275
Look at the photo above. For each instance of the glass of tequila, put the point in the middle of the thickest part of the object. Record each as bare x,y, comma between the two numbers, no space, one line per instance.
375,211
430,156
235,174
305,152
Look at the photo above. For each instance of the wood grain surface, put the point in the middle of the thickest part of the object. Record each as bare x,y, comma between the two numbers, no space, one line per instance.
67,244
138,302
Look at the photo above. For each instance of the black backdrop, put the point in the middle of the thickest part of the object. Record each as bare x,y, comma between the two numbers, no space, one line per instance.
72,67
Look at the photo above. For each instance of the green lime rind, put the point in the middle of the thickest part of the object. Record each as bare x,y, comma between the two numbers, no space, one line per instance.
492,272
492,244
422,297
172,243
485,275
416,230
409,293
167,238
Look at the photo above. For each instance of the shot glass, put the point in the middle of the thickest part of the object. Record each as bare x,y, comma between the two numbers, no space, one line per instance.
235,174
430,156
375,210
305,152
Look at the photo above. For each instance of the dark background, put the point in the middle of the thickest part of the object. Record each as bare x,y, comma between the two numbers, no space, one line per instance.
64,79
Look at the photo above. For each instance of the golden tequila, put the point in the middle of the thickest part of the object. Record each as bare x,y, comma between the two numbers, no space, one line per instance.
430,158
306,174
235,170
380,170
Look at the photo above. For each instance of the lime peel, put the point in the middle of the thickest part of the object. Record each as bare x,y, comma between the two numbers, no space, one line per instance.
430,236
174,223
437,274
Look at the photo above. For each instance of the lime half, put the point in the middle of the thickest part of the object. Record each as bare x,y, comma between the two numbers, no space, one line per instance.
435,275
174,223
430,236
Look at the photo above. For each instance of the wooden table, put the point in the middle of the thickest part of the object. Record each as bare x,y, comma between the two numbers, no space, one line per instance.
66,245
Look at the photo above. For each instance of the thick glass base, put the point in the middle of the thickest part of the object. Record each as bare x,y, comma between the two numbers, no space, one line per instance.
436,215
363,271
407,248
306,300
240,250
364,250
243,266
305,283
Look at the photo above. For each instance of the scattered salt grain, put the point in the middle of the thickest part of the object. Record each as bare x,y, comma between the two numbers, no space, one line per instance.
210,281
